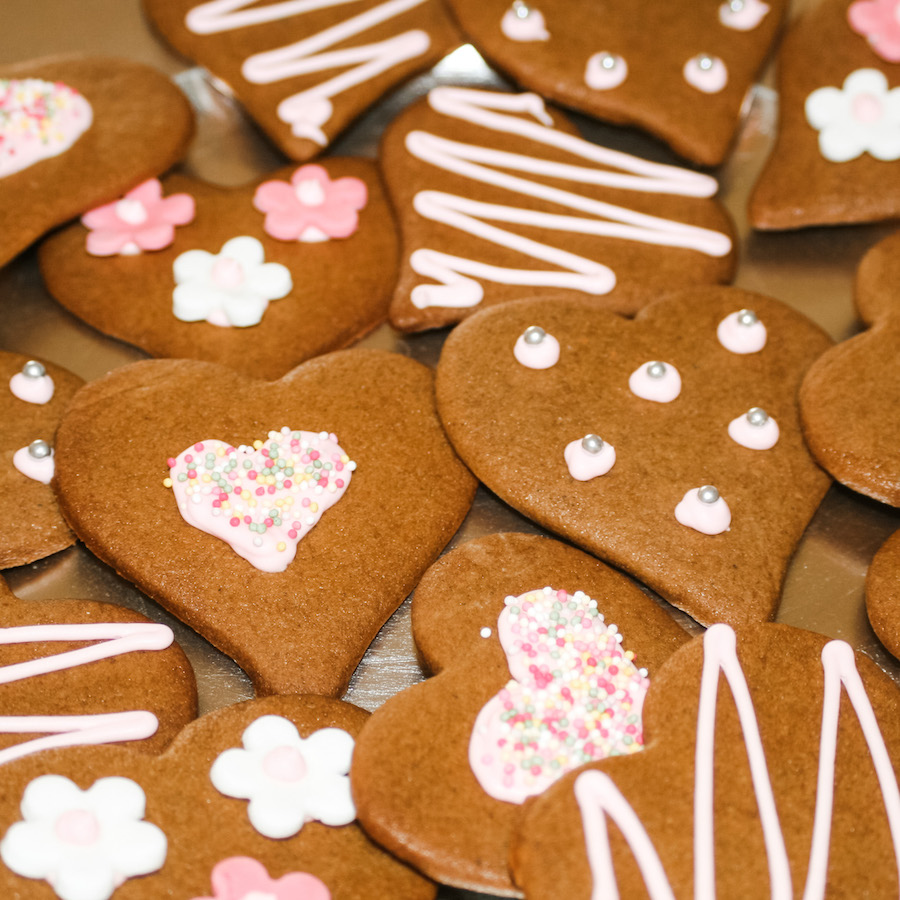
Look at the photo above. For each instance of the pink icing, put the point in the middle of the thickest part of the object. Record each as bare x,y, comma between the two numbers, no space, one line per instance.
243,878
528,27
879,22
284,764
707,518
740,338
542,355
602,77
660,390
584,465
37,469
313,207
38,120
866,108
32,390
241,496
227,273
706,73
142,220
546,722
754,437
745,16
77,826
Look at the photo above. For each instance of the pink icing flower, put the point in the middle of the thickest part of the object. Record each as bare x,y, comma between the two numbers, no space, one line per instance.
241,877
142,220
879,22
312,207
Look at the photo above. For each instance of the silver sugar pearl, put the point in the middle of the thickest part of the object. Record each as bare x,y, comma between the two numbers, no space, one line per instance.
704,61
39,449
592,443
522,10
656,369
708,494
757,416
607,61
747,317
534,334
33,369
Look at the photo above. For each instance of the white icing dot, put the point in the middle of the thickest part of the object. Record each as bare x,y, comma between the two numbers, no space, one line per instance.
486,632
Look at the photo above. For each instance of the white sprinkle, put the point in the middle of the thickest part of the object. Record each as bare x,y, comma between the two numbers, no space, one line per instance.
486,632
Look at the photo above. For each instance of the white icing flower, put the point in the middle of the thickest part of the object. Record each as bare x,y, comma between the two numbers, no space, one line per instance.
83,843
231,288
862,117
288,780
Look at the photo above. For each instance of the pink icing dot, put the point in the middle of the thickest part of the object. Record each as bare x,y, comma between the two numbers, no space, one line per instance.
77,826
227,273
866,108
260,491
284,764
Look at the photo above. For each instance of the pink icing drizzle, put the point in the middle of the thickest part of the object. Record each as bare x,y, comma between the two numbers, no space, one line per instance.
584,465
32,390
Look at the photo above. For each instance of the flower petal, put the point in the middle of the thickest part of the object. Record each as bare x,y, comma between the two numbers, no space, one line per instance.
115,800
838,143
246,250
157,237
193,301
274,195
235,772
179,209
102,217
285,225
275,818
49,796
268,732
349,191
88,880
28,851
136,848
331,747
328,800
868,81
823,106
245,309
149,192
104,242
193,265
271,281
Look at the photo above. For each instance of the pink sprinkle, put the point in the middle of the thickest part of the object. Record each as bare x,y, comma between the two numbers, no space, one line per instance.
198,447
192,473
535,770
340,482
171,462
339,466
217,504
304,458
260,491
613,670
188,458
252,474
305,501
268,522
247,520
562,596
288,482
509,768
314,454
235,521
292,533
296,525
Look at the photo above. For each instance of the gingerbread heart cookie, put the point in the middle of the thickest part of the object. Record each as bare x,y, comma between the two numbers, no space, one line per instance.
882,594
756,792
542,657
78,132
81,672
678,70
483,183
850,396
99,823
304,69
170,470
258,278
669,446
33,396
837,155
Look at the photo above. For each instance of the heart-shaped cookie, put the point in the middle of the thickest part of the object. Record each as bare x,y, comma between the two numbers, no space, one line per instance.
124,825
415,787
850,396
303,69
82,672
210,292
711,485
306,628
756,793
33,396
679,70
837,155
882,595
75,133
483,184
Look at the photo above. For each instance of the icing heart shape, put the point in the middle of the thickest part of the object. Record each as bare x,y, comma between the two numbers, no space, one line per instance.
336,290
819,725
104,126
483,184
31,405
311,623
881,593
209,839
849,396
413,781
304,71
118,674
512,432
680,71
839,124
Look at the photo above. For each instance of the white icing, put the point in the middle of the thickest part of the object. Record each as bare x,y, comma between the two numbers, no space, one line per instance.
605,78
32,390
530,27
709,80
754,437
660,390
38,469
707,518
537,356
740,338
744,18
584,465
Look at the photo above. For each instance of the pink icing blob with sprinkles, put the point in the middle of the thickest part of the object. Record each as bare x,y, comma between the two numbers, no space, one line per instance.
575,696
261,499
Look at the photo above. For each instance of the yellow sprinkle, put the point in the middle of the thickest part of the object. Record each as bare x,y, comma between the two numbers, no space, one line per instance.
206,478
281,545
270,479
220,451
257,445
167,482
252,503
313,507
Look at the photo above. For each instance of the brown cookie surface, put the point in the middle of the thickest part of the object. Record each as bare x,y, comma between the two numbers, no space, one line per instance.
498,199
140,124
883,594
205,829
304,628
31,526
855,123
850,395
689,807
512,423
415,787
677,70
304,71
339,287
144,673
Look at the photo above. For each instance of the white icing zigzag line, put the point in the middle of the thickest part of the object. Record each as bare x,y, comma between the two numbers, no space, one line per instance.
487,110
67,731
598,796
306,112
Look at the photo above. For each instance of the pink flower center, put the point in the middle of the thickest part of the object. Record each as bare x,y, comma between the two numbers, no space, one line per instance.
227,273
77,826
310,192
132,211
866,108
284,764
